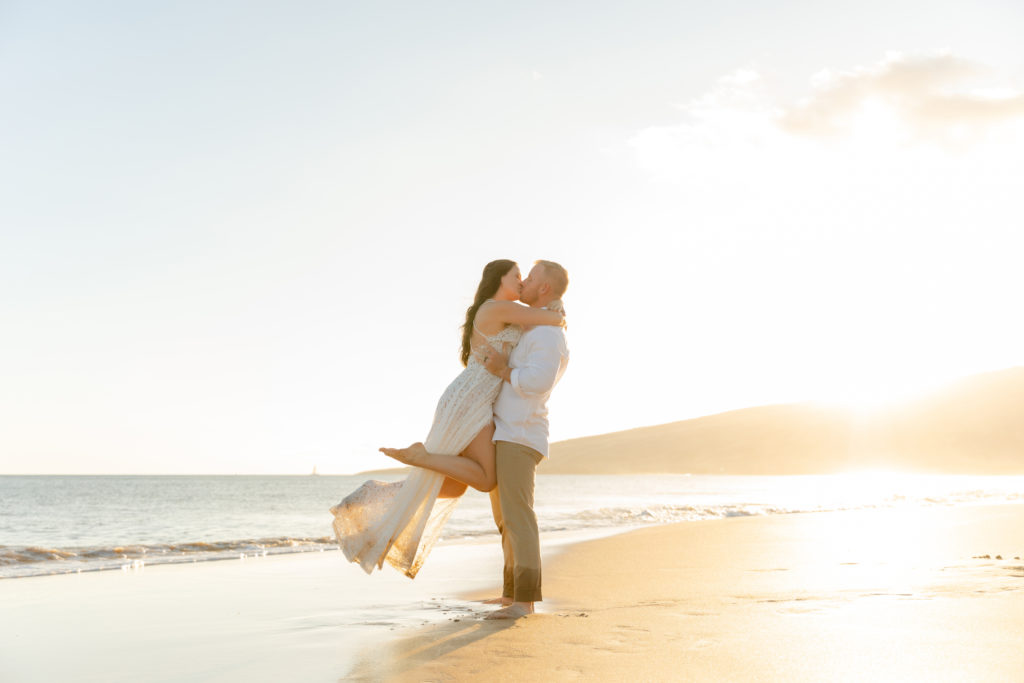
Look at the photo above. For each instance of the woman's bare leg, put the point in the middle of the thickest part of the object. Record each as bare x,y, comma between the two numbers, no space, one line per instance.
474,466
481,451
451,488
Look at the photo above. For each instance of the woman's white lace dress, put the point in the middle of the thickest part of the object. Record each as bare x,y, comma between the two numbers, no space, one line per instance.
400,521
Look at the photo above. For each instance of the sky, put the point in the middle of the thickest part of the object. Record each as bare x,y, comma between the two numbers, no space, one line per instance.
240,237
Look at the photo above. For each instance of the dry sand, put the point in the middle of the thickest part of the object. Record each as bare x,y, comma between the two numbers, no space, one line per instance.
848,596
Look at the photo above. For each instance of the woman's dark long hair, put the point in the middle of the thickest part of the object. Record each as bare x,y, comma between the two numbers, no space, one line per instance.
490,281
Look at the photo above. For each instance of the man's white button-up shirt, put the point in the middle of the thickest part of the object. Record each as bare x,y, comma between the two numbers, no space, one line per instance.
538,362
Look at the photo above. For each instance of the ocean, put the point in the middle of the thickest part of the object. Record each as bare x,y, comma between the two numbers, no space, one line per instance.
68,524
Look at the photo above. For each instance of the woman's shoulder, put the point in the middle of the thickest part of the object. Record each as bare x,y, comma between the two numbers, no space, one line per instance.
493,312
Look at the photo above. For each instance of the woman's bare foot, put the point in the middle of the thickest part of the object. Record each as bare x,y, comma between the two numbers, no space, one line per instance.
409,456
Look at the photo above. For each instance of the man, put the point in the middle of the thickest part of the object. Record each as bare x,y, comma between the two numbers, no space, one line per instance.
521,438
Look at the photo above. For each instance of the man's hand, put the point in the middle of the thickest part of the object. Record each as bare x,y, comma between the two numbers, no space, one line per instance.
494,361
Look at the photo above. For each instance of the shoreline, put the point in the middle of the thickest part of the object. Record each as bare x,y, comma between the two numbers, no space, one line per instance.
141,562
294,616
740,598
606,503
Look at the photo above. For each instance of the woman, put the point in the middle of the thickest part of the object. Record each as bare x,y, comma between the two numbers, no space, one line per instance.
399,521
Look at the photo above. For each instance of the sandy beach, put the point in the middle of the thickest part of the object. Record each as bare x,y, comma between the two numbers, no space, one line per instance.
868,595
885,594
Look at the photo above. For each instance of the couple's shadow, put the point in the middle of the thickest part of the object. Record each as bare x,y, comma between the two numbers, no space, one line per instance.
387,660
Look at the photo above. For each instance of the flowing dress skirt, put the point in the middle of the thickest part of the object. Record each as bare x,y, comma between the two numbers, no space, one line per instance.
399,522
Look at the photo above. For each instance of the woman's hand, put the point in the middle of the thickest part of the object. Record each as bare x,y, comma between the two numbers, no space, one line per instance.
558,307
493,360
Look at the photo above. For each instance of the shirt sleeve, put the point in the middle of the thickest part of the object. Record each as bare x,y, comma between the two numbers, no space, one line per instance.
539,371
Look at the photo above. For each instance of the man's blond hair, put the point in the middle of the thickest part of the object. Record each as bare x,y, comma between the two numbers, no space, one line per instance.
556,275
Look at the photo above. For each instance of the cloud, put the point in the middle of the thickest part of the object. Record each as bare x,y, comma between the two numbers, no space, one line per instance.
717,128
897,159
905,117
930,94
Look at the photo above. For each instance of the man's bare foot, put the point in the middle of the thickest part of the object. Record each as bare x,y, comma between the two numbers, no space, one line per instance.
516,610
409,456
498,601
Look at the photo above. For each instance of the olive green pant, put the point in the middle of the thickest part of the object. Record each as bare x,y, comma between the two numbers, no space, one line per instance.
512,506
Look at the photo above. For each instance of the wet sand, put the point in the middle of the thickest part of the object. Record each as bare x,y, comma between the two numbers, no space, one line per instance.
299,617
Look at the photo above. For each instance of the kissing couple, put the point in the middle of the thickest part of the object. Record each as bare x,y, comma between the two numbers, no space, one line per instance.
490,431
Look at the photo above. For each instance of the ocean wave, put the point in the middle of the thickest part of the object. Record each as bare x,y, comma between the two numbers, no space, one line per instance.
560,518
665,514
23,561
672,513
